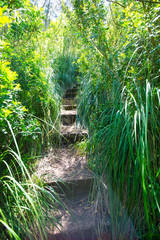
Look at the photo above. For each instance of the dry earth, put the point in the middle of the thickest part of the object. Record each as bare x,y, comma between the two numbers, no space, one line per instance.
62,163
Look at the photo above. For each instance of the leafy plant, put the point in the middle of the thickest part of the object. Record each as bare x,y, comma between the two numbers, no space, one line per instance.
28,101
24,205
119,103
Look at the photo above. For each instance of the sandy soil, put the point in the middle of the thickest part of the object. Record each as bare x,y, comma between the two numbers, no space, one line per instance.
62,163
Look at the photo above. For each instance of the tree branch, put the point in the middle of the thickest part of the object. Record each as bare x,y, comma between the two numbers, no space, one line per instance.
111,1
116,3
143,1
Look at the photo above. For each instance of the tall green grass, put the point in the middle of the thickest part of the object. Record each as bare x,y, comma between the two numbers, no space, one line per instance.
66,73
61,46
119,103
124,151
24,203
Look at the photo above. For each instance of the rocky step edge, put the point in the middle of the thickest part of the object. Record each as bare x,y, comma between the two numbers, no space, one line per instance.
69,107
72,133
69,101
68,137
68,117
71,93
80,219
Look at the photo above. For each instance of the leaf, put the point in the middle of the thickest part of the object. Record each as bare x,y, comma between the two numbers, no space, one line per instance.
158,173
10,230
6,112
4,20
1,12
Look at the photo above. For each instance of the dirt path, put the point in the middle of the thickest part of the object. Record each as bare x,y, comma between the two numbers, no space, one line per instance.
79,219
82,216
63,163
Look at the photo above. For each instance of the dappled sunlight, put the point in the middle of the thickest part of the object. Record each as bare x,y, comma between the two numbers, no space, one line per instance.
79,119
60,164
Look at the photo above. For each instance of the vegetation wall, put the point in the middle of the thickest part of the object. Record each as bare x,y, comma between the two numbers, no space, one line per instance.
120,105
112,49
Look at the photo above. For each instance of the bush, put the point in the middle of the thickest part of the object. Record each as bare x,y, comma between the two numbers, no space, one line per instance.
119,103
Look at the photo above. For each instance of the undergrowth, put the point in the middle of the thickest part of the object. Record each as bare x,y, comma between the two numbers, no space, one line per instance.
25,202
119,103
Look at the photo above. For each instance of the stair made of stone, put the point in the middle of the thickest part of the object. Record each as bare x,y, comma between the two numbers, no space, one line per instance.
70,131
65,170
79,219
71,93
69,106
73,133
68,117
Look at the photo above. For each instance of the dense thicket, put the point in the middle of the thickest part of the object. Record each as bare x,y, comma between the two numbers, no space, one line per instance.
34,92
112,48
120,105
29,106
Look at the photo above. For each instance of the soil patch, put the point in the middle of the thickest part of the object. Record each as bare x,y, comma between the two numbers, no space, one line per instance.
63,163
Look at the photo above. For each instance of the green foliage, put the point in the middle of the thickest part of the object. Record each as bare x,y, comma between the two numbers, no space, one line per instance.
10,108
24,204
65,52
119,103
12,4
34,76
67,71
113,50
29,102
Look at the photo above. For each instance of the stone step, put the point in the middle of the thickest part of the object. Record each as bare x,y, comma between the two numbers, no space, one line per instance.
62,163
73,188
68,101
80,219
77,86
72,138
69,95
68,112
73,133
76,223
69,107
68,117
79,223
72,90
75,89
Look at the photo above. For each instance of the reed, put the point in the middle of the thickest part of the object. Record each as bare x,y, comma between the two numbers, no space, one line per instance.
25,203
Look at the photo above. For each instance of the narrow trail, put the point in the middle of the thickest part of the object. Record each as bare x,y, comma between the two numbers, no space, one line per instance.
80,219
82,216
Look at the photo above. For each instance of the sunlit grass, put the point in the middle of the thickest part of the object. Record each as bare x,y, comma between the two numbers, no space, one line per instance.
124,150
25,204
119,103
